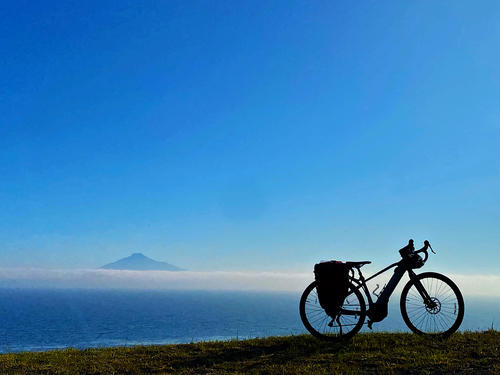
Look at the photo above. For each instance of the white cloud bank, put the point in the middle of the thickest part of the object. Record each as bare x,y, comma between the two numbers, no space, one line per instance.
217,280
471,285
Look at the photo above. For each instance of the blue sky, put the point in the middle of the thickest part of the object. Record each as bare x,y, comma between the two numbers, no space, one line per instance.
249,135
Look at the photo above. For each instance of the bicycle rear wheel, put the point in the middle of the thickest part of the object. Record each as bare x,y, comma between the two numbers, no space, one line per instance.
320,324
442,315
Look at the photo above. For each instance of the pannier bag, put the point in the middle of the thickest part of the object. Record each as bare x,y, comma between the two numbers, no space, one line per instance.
332,284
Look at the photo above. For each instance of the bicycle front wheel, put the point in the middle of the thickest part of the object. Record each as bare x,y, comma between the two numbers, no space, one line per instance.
441,314
320,324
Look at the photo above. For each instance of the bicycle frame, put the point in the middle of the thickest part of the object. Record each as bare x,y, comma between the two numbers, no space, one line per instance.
378,310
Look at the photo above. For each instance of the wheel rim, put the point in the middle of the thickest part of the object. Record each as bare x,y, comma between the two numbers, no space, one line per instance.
438,315
322,324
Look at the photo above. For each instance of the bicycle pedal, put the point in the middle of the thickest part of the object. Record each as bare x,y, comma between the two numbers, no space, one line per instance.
370,323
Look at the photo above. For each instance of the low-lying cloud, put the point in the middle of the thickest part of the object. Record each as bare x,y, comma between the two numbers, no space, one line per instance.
216,280
471,285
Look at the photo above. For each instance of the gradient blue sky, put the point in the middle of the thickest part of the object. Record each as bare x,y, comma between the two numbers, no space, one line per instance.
249,135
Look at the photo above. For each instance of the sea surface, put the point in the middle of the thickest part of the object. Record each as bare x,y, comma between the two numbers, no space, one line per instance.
35,319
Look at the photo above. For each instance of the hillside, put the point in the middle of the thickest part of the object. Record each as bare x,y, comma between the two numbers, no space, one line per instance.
369,353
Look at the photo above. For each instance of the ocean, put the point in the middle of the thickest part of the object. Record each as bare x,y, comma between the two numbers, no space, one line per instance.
36,319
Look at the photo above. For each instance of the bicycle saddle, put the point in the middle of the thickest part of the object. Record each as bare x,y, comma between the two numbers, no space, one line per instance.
357,264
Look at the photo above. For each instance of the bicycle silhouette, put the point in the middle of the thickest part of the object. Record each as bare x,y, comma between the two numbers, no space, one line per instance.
430,302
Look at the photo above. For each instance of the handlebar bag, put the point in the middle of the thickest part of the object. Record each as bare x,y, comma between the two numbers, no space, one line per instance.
415,261
332,285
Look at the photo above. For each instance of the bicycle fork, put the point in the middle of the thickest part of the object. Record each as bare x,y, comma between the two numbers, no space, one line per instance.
429,303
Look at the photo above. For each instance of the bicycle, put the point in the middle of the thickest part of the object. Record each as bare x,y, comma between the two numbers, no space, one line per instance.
430,302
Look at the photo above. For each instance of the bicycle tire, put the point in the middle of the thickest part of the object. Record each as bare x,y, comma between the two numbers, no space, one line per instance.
315,319
447,314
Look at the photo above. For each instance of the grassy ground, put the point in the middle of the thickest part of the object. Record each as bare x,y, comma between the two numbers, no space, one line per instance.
386,353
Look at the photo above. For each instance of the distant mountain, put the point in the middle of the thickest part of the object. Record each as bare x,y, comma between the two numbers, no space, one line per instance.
140,262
